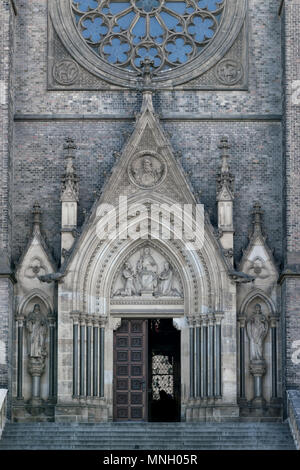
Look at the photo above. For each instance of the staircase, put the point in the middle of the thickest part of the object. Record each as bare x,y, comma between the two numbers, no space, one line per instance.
147,436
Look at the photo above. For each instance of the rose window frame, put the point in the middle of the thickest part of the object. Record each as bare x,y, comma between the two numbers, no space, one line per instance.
225,33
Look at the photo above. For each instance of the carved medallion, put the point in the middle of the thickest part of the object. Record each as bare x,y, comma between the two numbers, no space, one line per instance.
147,170
229,72
65,72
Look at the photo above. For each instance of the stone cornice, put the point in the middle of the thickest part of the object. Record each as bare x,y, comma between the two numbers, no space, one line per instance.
287,275
163,117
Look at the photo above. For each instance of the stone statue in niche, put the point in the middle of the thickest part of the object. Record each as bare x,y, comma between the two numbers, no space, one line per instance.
146,278
257,329
37,328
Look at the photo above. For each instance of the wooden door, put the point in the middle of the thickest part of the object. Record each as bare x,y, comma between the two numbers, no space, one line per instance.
130,371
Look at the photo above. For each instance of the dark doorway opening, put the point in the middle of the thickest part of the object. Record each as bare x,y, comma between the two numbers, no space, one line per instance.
164,371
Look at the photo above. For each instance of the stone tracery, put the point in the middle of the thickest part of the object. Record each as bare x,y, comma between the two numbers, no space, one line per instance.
169,33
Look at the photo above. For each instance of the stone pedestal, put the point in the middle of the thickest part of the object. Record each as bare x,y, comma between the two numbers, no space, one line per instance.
36,367
258,370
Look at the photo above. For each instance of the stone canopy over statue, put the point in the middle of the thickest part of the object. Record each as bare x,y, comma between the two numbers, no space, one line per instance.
257,329
148,277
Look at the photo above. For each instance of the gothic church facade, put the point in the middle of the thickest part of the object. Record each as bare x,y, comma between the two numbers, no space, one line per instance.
170,127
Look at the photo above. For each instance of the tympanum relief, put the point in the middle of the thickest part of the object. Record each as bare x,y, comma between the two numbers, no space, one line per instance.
147,274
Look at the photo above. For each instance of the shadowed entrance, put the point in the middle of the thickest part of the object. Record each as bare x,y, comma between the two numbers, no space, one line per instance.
164,367
147,371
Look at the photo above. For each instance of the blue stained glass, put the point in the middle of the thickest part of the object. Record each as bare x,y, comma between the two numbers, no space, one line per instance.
85,5
139,30
179,7
118,7
116,51
151,54
171,22
201,29
94,29
147,5
124,22
156,31
179,50
211,5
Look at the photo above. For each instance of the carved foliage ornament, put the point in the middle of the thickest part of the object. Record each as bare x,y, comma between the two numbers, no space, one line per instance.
182,39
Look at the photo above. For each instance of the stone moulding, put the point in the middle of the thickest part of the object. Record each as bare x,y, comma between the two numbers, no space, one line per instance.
109,76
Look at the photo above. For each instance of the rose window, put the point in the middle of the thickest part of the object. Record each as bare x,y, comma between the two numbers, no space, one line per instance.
168,33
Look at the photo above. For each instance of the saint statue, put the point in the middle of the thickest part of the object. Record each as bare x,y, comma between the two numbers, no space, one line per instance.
146,269
128,275
37,328
165,282
257,329
147,175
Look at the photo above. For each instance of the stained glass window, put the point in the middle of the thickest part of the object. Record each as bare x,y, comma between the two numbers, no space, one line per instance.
169,33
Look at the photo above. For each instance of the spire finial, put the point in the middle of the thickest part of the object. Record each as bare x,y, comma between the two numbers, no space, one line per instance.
225,177
257,216
36,212
224,146
69,179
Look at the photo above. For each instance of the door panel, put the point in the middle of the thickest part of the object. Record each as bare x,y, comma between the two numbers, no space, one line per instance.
130,371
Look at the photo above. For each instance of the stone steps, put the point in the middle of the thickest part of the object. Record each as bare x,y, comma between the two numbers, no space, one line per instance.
147,436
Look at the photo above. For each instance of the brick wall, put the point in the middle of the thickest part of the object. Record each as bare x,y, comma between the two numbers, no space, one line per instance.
291,134
256,143
6,149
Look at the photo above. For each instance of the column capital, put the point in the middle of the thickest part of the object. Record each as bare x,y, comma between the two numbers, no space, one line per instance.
218,317
242,321
204,319
20,320
75,316
274,320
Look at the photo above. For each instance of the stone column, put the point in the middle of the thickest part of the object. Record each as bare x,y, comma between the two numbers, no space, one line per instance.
95,356
102,344
218,355
242,323
210,353
82,356
75,317
273,324
20,326
89,356
204,323
52,356
192,358
198,359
